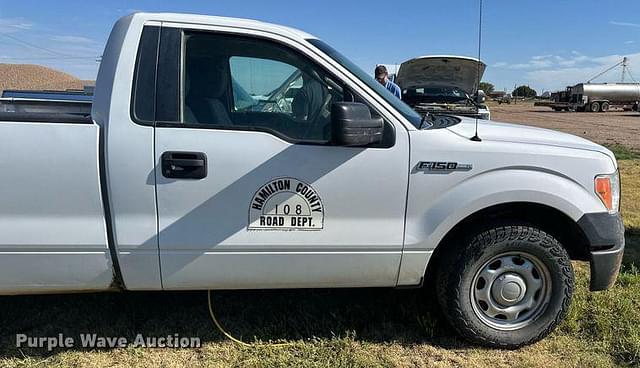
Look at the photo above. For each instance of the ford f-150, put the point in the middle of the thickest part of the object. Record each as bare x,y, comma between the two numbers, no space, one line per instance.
225,153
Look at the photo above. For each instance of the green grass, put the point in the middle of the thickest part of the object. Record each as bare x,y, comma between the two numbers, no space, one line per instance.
623,152
329,328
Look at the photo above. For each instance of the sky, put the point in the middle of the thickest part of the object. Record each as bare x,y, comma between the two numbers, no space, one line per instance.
547,44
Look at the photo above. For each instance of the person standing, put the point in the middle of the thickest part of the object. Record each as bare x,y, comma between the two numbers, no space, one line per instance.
382,76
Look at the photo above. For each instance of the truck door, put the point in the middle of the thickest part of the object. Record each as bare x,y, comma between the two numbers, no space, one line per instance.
251,192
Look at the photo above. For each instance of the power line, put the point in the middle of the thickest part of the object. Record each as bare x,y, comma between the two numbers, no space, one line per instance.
35,46
58,55
96,58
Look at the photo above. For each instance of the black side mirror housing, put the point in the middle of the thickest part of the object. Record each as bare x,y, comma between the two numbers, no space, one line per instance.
352,125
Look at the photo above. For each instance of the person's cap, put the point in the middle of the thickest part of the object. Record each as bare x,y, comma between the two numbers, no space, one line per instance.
381,70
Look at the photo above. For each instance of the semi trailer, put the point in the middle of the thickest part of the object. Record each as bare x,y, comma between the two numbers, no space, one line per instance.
595,97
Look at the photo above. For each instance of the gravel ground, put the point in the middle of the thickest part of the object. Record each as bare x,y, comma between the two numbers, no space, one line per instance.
605,128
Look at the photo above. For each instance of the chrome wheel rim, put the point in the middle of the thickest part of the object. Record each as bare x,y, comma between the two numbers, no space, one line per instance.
511,290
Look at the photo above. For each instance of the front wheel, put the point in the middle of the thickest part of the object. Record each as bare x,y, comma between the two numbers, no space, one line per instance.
509,286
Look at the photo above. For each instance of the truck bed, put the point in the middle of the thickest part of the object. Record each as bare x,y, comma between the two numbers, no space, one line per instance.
52,218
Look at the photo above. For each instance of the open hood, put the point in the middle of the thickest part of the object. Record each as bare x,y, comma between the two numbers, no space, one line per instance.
440,71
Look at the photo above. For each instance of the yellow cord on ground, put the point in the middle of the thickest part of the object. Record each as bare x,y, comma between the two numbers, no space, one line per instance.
238,341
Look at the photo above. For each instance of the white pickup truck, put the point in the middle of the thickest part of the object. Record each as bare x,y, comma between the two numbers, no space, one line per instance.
231,154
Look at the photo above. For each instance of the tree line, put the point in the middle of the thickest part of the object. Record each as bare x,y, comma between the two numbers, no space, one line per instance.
520,91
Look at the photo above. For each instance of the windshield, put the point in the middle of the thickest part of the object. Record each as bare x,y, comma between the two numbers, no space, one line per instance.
433,94
440,91
400,106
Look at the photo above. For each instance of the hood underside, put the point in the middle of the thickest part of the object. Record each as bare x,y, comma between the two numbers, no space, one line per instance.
438,71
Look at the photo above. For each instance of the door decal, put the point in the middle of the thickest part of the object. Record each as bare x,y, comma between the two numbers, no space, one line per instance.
286,204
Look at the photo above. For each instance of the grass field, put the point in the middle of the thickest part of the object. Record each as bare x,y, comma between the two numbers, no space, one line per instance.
330,328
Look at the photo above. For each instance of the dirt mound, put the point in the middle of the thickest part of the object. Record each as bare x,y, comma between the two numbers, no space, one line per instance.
29,76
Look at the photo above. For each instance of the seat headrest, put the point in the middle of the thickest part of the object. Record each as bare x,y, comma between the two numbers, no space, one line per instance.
207,77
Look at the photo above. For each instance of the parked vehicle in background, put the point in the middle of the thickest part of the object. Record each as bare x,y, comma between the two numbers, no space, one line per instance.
443,84
595,97
506,98
225,153
558,101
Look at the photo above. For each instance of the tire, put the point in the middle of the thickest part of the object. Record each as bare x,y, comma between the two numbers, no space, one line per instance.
604,107
594,107
509,255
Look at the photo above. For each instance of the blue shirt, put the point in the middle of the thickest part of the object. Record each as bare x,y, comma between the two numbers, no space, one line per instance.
393,88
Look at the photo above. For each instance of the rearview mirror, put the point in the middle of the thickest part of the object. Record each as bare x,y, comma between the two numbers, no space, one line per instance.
352,124
480,96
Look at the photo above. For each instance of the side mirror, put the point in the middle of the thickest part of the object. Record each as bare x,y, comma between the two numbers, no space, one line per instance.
352,125
480,96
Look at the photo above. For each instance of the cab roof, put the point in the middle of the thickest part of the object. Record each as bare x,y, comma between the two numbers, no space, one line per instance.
223,21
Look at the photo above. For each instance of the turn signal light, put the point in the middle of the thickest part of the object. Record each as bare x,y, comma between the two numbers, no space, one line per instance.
607,187
603,188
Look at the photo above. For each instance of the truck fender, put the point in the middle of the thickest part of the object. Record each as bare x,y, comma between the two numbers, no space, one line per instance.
427,230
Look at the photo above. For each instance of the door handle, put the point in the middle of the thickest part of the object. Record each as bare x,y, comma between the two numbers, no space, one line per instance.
184,165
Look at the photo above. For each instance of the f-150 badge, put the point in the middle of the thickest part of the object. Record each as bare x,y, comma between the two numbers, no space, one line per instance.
286,204
442,166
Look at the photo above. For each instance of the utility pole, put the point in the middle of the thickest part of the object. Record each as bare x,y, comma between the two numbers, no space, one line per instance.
624,69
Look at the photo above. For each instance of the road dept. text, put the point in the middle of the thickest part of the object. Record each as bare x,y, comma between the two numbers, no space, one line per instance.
282,221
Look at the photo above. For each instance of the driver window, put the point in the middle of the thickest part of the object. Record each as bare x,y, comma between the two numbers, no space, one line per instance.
254,84
263,84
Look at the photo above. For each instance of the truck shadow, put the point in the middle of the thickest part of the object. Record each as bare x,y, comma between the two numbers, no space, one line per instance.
632,247
374,315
